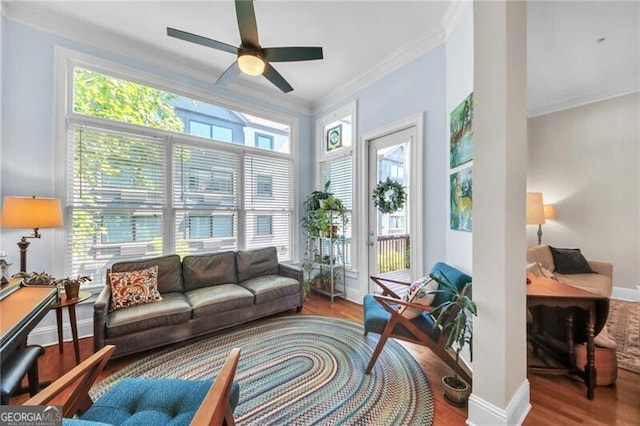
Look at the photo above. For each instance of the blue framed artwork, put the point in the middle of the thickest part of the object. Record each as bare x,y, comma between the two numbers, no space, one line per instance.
461,200
461,141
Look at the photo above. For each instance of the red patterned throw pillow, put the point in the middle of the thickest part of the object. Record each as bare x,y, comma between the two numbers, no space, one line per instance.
134,288
420,293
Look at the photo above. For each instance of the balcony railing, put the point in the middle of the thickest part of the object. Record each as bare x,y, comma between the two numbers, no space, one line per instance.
393,253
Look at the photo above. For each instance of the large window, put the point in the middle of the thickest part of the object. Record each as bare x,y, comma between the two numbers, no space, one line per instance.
142,181
336,164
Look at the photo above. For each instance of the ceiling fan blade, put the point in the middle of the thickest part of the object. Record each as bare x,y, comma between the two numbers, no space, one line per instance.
229,74
183,35
275,77
288,54
247,22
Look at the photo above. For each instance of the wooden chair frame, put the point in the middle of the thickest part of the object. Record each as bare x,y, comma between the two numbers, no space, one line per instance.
72,390
390,302
77,381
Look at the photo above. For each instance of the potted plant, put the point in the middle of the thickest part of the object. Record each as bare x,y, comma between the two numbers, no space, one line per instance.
72,285
454,318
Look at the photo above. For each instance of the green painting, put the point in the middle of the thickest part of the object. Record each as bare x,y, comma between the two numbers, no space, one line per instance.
461,142
462,200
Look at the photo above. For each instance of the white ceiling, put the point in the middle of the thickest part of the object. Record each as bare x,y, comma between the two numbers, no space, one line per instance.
361,41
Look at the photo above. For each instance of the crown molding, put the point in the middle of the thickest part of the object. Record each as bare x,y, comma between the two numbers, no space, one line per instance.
405,54
108,41
453,15
583,99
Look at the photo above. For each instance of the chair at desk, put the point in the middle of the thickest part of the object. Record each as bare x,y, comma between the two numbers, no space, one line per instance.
22,362
144,401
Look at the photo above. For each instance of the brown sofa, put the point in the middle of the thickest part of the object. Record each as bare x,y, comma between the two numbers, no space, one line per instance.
599,282
201,294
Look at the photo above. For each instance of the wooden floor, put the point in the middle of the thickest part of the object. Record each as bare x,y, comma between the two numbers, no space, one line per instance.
555,400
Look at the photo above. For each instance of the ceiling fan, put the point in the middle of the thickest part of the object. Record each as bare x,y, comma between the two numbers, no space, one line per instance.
252,59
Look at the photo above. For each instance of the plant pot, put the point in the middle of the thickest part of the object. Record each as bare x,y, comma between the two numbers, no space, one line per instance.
456,391
72,290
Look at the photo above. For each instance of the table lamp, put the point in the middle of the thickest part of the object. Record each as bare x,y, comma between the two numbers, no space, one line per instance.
535,212
30,212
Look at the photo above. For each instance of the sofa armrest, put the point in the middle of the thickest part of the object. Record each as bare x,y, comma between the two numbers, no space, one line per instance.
291,271
295,272
604,268
100,313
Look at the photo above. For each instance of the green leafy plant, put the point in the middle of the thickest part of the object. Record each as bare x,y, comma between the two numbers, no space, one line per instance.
454,318
36,278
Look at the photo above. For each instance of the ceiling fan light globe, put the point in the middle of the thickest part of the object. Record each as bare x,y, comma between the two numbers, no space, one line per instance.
251,64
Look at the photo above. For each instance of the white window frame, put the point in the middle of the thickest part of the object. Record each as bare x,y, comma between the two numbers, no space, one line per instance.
66,59
345,151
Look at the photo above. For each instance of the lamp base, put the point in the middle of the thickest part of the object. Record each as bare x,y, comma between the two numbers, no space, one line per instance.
539,234
23,245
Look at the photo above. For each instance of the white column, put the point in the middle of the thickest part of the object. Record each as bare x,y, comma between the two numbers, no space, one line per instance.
500,386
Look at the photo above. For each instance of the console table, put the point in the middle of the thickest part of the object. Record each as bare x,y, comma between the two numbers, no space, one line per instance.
547,292
20,312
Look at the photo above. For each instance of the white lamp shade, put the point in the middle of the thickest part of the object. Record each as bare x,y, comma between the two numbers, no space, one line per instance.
31,212
251,64
535,208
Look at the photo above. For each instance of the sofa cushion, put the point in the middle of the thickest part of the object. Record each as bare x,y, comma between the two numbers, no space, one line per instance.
173,309
169,271
271,287
134,288
376,318
570,261
542,255
136,401
256,263
219,298
209,269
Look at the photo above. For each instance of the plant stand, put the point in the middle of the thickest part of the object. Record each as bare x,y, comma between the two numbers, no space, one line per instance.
327,273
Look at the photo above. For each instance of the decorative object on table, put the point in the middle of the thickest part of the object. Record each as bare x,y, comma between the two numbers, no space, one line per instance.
454,318
302,370
334,137
461,214
389,196
35,278
535,212
4,269
72,285
30,212
461,130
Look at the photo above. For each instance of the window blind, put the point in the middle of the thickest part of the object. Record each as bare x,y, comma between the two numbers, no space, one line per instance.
340,173
269,188
115,192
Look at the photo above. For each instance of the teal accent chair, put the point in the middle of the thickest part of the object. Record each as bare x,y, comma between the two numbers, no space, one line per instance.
381,316
135,401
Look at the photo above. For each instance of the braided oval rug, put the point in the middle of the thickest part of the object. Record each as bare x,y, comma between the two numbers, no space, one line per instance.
301,370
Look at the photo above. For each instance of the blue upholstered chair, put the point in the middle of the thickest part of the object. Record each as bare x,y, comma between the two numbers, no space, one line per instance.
134,401
381,316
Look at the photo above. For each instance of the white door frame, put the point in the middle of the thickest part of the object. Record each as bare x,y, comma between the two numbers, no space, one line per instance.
416,176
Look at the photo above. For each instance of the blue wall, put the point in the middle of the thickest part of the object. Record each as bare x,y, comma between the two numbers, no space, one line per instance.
418,87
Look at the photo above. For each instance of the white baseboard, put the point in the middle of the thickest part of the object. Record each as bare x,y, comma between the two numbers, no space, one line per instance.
623,293
48,335
482,412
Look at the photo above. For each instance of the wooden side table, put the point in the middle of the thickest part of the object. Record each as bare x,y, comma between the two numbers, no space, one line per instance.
71,308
